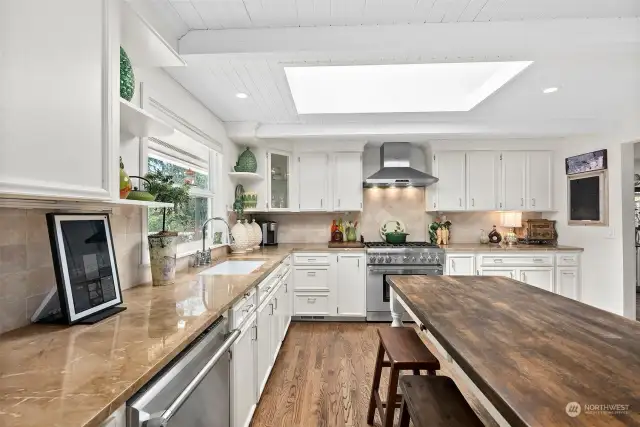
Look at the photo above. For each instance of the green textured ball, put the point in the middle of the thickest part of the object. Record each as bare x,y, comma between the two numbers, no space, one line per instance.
247,162
127,79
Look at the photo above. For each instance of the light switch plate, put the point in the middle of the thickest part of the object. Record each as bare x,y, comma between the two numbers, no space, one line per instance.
610,233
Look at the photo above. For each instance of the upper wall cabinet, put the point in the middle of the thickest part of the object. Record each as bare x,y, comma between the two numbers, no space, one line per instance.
483,171
514,173
312,181
491,180
279,182
347,182
539,181
448,194
59,87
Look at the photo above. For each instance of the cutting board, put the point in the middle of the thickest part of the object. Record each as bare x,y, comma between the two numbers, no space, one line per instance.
346,245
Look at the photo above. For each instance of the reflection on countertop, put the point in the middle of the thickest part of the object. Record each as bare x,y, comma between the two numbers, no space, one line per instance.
76,376
478,247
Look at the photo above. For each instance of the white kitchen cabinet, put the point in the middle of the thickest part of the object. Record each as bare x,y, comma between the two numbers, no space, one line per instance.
498,271
117,419
312,278
278,182
460,265
264,356
541,277
482,174
312,182
513,178
347,182
351,285
243,375
277,325
448,194
539,181
287,302
568,282
59,132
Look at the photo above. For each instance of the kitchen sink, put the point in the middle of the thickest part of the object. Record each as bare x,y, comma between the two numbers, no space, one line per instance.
232,268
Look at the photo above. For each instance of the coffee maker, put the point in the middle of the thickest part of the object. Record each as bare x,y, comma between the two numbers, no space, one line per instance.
269,233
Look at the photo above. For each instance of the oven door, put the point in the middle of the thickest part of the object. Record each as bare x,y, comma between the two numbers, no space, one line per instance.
378,291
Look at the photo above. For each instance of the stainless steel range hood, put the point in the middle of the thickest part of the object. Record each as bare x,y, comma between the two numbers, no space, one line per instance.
395,169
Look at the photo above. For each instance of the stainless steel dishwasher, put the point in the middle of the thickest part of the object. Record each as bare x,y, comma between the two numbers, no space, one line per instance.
193,390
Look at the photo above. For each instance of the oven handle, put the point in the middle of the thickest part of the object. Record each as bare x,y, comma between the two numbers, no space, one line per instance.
162,419
405,271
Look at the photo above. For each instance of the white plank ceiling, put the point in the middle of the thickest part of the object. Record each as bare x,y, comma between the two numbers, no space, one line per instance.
225,14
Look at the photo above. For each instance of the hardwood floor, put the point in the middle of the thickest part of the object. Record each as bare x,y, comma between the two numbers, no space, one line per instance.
322,378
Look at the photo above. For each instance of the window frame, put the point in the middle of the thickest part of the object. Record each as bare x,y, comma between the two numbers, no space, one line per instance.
213,194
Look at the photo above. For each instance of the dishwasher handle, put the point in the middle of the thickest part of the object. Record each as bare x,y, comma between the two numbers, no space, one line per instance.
162,418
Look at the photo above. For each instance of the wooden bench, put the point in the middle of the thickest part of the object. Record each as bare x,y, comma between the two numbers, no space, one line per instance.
434,401
405,351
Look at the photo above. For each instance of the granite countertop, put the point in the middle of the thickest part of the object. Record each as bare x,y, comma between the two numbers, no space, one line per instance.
77,376
478,247
530,351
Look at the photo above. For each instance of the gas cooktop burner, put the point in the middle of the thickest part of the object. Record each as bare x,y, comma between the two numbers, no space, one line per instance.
400,245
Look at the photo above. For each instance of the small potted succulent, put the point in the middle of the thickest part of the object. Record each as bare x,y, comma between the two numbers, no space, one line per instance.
163,246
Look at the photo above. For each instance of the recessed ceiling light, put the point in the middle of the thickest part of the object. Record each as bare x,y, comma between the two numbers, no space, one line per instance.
242,95
397,88
550,90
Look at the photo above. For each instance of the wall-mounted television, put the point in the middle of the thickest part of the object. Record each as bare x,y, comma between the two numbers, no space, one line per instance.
588,199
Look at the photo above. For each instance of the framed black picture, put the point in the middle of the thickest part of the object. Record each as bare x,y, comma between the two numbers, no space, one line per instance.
588,162
88,285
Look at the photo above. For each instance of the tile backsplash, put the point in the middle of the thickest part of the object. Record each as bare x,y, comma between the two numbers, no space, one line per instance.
26,266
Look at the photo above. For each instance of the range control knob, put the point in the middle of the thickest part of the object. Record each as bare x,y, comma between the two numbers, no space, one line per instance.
388,259
372,259
379,259
429,259
413,259
405,258
422,258
437,260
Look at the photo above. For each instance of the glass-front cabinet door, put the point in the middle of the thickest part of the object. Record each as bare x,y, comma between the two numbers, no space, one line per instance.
279,183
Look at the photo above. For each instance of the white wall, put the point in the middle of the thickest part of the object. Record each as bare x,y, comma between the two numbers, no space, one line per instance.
608,272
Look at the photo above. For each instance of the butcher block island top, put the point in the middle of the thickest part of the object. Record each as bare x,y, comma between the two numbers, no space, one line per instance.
62,376
529,351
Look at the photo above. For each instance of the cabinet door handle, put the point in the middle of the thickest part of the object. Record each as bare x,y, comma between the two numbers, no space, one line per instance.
500,204
511,274
271,305
533,202
473,201
453,264
255,333
286,288
434,205
567,258
522,201
320,202
460,201
523,276
338,202
275,302
311,259
477,272
358,262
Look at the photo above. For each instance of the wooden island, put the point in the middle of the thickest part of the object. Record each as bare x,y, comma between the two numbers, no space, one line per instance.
529,353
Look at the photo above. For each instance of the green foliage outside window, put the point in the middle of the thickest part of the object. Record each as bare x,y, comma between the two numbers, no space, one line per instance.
190,212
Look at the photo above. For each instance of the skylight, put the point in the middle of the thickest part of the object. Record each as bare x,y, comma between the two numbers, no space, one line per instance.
397,88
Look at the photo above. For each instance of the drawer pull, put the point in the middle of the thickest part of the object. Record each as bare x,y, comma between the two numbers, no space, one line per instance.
497,261
568,273
311,259
538,260
311,300
311,273
567,258
248,308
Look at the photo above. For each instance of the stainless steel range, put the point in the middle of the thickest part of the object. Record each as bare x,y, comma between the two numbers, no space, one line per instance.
384,259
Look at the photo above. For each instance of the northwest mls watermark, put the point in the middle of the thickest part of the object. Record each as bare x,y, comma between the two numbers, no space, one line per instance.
574,409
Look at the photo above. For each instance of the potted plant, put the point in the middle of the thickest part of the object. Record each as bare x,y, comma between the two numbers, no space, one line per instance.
163,246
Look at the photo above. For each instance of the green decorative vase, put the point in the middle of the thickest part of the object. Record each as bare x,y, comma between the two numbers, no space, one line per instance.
247,162
127,79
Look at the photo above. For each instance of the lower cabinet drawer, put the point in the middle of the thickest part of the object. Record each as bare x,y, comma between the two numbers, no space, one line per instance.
311,259
311,278
567,259
528,260
243,308
311,304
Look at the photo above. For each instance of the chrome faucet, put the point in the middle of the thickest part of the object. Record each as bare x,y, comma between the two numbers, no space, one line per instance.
204,257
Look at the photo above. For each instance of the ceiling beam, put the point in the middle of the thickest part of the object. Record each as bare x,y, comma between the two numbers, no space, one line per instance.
517,40
367,131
